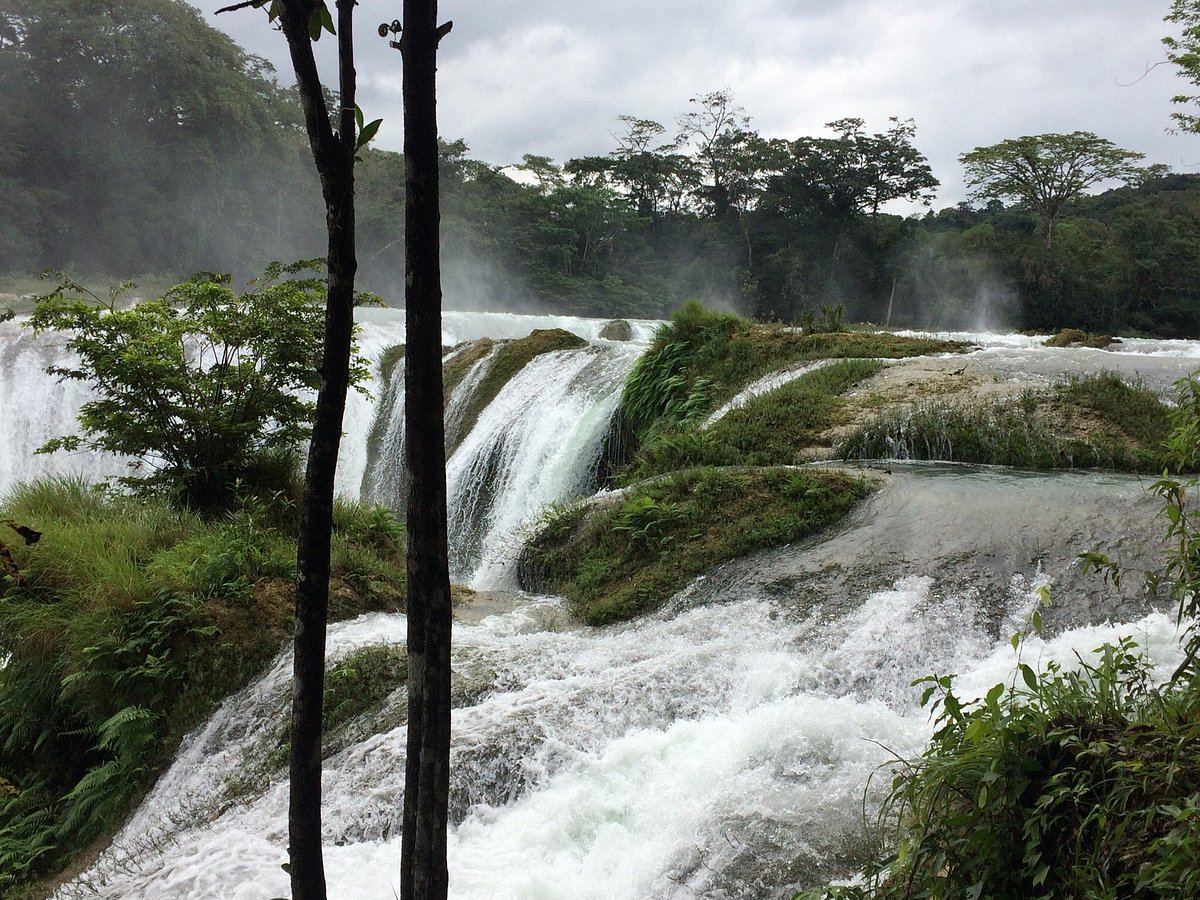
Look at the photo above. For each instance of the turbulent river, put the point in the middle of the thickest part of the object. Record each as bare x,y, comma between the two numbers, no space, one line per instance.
720,748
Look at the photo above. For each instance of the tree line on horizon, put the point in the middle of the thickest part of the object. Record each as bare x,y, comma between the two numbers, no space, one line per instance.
137,141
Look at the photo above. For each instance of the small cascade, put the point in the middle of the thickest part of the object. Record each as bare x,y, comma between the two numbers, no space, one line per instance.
384,480
538,442
769,382
457,426
35,407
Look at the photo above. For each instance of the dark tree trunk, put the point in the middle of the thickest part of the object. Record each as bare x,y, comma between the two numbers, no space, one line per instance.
423,873
333,154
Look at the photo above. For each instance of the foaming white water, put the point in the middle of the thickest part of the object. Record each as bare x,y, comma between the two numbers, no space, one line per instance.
470,326
536,443
1158,363
724,748
382,328
35,407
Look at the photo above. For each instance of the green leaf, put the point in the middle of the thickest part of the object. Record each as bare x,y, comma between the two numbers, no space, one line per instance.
320,20
1029,677
367,133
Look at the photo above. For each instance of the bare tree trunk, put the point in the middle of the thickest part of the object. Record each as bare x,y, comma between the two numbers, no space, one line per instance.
333,154
891,300
423,871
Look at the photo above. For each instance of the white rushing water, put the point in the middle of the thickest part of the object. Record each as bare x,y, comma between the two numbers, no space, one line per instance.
537,443
37,407
714,751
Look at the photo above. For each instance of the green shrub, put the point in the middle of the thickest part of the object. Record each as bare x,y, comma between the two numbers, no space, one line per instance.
1074,783
204,386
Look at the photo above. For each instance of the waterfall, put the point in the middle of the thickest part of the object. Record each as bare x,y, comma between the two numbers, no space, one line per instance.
35,407
721,748
538,442
718,749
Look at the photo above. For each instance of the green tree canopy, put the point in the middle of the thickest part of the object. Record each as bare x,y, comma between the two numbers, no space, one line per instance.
134,134
1046,171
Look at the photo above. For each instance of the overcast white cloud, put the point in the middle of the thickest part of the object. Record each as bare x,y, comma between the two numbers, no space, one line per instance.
551,77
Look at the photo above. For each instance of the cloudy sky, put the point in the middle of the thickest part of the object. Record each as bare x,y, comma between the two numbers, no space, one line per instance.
534,76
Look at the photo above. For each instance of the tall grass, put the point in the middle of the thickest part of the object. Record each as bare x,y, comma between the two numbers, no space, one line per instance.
124,623
772,429
701,358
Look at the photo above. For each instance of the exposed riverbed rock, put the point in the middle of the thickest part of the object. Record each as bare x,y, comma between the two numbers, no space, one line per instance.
617,330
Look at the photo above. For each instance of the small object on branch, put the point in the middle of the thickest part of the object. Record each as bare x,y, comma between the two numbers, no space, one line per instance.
30,535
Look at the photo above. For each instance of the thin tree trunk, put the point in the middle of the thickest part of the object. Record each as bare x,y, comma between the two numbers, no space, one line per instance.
334,158
891,300
423,871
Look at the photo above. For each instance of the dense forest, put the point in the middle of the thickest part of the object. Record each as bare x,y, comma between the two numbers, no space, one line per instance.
141,141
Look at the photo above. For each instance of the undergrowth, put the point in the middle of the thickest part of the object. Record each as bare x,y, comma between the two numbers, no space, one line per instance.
123,625
627,558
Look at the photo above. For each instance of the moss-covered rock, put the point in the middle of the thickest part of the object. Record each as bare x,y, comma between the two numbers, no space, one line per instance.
1074,337
624,557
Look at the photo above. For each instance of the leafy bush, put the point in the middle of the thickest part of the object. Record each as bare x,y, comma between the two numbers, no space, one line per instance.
204,387
1075,783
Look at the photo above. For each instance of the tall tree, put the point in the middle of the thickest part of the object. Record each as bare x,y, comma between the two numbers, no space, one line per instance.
719,129
854,173
423,871
1184,52
1046,171
334,138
